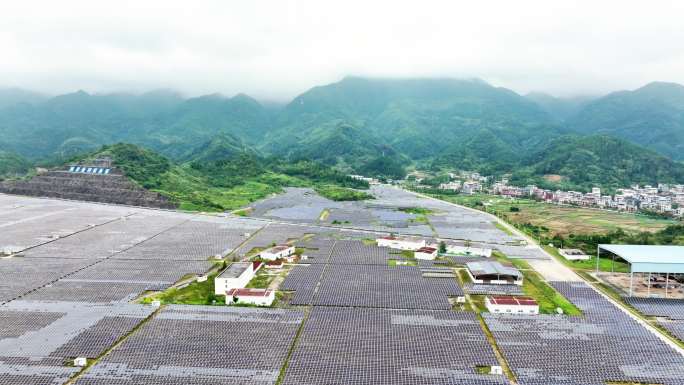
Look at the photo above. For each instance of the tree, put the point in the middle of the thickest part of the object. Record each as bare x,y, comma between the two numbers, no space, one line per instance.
442,247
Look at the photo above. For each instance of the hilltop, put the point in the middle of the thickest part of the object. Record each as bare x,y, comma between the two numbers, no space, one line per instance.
375,127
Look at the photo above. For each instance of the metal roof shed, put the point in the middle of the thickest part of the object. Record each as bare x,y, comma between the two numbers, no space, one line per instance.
647,259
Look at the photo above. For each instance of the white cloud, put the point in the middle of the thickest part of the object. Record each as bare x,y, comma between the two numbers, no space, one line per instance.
276,49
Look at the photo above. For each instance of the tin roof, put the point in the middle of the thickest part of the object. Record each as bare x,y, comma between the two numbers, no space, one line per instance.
492,268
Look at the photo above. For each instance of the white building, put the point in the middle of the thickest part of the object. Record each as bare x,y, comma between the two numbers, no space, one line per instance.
463,250
511,305
259,297
574,254
400,243
277,252
235,276
426,253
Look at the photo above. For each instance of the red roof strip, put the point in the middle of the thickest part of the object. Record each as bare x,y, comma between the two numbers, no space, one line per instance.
426,249
249,292
522,301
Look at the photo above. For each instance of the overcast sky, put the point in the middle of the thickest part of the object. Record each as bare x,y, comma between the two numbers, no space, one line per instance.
277,49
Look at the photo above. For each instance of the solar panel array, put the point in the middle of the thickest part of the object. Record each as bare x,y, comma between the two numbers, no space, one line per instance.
676,328
603,344
670,308
37,338
303,280
385,287
661,307
194,240
350,252
379,346
108,239
476,288
20,276
202,345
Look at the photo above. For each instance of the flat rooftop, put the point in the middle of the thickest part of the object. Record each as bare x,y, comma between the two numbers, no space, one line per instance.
235,269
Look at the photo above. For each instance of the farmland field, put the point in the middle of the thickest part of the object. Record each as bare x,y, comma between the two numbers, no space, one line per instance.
560,220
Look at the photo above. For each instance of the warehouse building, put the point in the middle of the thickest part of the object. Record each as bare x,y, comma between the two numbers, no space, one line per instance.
487,272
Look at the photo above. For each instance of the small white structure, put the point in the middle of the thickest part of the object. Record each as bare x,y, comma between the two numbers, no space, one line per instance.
511,305
574,255
426,253
277,252
80,361
496,369
400,243
464,250
259,297
201,278
235,276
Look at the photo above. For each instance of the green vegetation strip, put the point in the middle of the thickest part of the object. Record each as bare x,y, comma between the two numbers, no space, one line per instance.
91,362
337,193
283,369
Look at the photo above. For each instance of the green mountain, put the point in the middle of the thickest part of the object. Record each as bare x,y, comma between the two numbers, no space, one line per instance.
12,165
13,96
376,127
559,108
417,117
583,162
652,116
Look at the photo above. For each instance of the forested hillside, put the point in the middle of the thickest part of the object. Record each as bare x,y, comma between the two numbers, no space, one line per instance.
583,162
225,184
375,127
651,116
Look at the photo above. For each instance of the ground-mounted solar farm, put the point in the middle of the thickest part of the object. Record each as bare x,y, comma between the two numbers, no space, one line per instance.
133,291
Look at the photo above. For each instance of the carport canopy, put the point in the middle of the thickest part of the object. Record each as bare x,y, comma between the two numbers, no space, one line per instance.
647,259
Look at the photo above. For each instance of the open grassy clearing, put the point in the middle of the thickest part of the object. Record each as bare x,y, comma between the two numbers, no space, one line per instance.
395,263
560,220
196,293
605,263
535,286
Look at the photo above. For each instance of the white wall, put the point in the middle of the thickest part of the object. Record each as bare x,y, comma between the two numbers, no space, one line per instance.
222,285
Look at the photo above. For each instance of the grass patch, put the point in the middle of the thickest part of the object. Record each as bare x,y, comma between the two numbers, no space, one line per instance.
393,263
559,220
464,276
478,303
416,210
545,295
605,264
196,293
337,193
261,280
503,228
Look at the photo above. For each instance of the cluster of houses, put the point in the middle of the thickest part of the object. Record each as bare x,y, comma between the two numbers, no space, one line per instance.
422,250
232,281
485,272
665,199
